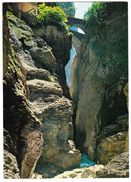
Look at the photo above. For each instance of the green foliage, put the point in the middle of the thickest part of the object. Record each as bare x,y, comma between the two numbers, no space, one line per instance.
68,8
51,15
99,10
95,16
95,11
109,39
9,14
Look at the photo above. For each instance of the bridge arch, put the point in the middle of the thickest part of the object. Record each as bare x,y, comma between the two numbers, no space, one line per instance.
76,22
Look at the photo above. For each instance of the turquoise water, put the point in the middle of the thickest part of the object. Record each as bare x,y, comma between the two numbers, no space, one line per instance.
85,161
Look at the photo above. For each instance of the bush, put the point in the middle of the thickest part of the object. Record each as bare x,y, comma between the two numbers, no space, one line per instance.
112,53
51,15
99,10
68,8
95,11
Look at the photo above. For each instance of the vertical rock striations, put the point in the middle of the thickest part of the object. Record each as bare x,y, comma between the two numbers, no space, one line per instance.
100,75
19,120
36,108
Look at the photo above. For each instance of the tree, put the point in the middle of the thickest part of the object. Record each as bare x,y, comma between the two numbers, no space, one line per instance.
51,15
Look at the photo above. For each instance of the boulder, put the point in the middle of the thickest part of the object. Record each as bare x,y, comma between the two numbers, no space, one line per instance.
120,125
112,146
118,167
89,172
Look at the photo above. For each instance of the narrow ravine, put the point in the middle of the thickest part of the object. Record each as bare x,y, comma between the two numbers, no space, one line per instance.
85,161
65,85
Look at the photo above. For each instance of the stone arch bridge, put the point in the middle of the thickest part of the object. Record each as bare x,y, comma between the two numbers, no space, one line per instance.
79,23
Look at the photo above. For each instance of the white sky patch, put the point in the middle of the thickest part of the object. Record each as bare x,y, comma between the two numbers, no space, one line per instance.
81,8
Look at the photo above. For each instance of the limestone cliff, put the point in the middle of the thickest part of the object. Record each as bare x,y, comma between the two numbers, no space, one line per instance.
100,75
35,106
43,126
22,128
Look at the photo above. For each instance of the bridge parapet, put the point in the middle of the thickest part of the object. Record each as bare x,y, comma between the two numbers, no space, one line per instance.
76,22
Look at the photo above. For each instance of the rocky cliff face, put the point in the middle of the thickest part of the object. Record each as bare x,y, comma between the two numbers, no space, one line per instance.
100,75
35,108
40,119
22,128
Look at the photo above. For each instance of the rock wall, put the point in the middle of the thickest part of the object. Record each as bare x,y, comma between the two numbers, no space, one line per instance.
40,121
35,106
22,128
60,43
99,77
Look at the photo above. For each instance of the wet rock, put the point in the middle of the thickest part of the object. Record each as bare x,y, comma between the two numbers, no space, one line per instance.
118,167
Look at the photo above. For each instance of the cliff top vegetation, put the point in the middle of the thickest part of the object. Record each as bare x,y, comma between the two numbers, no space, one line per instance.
99,10
114,55
51,15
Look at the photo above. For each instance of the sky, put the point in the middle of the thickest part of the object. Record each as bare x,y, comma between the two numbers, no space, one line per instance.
81,8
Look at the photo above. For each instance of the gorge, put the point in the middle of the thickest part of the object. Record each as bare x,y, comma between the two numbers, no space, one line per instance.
65,94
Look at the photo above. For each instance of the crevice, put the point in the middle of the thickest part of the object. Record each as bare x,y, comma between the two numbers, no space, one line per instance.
112,108
78,136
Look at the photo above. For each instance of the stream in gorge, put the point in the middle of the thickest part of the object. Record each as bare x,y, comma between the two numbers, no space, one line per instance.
65,86
85,160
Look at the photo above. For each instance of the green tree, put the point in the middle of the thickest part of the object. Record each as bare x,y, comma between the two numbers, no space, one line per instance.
51,15
68,8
